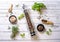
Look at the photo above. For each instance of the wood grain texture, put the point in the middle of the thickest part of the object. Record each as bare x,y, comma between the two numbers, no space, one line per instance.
52,12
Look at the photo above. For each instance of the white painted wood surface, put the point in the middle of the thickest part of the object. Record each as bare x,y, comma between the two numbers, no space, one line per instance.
52,12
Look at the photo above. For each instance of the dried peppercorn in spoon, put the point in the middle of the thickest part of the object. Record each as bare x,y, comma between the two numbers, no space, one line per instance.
47,22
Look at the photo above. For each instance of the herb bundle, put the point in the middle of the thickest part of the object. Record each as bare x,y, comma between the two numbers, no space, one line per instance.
14,31
38,7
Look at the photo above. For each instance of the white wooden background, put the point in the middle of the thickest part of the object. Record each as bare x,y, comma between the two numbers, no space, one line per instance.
52,12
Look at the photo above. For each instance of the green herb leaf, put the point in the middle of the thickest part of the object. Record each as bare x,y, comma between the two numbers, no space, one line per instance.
47,32
17,5
22,35
50,30
21,16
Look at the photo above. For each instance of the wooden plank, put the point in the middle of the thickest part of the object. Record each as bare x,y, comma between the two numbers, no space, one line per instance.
33,19
24,27
26,0
50,5
35,41
47,12
53,36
